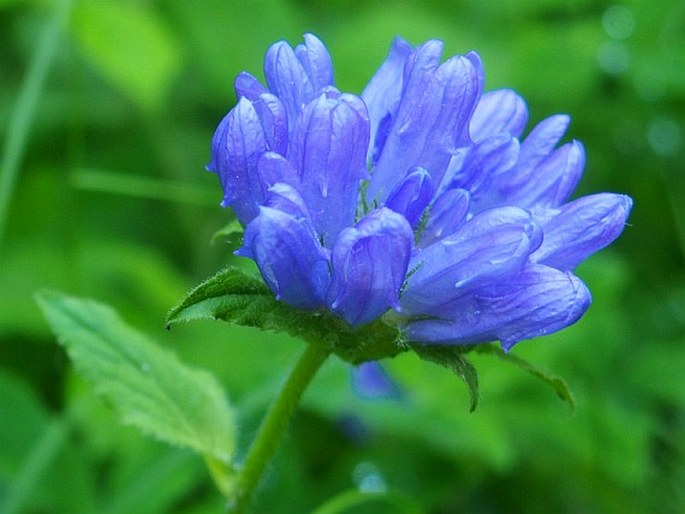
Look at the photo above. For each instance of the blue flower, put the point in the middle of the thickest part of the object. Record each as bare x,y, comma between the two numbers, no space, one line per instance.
420,202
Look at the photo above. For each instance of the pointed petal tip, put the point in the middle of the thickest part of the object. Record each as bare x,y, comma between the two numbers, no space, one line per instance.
627,203
477,63
246,85
562,119
243,252
400,46
310,37
499,111
411,196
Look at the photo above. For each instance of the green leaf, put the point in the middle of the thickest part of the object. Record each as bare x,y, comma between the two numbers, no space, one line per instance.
131,46
230,295
231,232
244,300
149,387
452,358
554,381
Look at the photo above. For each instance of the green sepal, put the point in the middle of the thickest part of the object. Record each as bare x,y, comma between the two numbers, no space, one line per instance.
452,358
241,299
148,386
557,383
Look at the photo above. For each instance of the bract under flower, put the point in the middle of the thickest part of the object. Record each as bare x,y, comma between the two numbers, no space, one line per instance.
421,197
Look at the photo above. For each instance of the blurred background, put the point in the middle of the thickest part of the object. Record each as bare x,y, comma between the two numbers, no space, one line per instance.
107,109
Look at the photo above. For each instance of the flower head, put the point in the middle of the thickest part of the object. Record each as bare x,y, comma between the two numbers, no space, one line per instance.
420,201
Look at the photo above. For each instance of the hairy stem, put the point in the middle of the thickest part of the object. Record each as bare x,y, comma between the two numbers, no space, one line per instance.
274,425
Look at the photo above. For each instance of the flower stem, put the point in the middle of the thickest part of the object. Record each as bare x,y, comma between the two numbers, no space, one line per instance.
274,424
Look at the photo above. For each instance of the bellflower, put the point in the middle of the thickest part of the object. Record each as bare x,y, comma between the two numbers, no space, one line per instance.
422,201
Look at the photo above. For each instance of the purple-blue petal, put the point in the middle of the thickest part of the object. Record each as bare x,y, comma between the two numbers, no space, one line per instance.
316,62
476,169
240,144
540,173
420,66
493,243
217,160
274,121
287,79
477,64
283,243
412,195
550,183
446,215
382,93
459,80
369,265
274,169
328,149
499,112
537,301
399,135
542,139
381,136
580,228
286,199
246,85
432,119
248,131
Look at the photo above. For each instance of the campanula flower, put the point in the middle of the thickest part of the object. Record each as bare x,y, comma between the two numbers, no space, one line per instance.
422,202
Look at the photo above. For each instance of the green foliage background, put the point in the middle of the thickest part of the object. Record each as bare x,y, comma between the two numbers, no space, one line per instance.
106,121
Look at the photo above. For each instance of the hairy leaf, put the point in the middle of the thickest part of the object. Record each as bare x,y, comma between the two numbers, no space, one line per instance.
241,299
148,386
452,358
554,381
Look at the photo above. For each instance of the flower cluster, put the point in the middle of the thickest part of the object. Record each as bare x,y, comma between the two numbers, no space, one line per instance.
419,201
